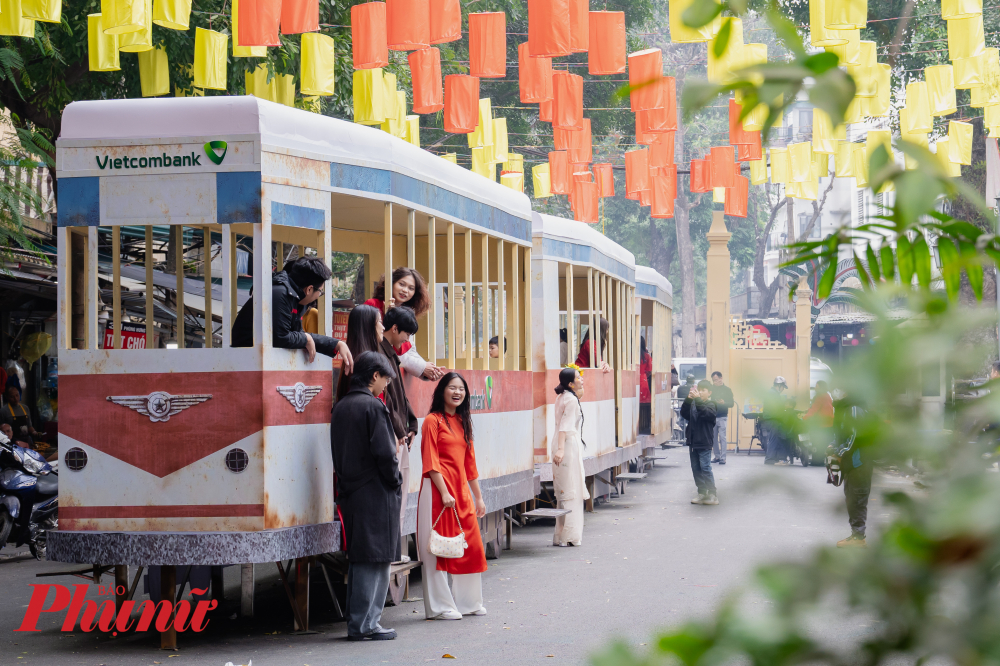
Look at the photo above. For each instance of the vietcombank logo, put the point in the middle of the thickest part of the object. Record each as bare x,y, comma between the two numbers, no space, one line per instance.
480,401
215,150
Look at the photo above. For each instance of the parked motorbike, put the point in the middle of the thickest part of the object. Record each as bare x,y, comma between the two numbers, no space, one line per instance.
29,488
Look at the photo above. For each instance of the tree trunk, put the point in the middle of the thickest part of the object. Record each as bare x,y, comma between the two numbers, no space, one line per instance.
660,254
767,291
682,224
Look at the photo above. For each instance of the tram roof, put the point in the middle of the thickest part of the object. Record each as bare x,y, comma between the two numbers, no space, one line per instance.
650,284
580,244
363,161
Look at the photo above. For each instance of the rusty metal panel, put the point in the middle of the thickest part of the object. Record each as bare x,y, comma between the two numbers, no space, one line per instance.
298,475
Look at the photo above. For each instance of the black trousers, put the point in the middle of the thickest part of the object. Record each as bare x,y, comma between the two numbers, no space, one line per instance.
857,489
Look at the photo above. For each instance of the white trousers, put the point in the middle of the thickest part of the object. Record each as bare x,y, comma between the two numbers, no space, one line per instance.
466,592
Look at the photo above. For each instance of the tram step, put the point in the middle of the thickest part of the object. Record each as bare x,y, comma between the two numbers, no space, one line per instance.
630,476
545,513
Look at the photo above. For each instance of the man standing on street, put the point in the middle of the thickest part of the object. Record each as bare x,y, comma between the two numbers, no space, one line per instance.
722,396
856,465
775,410
699,410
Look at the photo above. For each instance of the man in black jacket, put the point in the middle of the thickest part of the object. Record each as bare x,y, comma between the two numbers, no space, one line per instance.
699,410
367,493
301,283
722,396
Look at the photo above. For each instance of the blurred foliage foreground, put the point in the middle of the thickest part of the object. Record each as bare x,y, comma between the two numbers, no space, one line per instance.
926,588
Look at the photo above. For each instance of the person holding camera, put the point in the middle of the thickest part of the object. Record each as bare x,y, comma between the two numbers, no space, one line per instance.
699,410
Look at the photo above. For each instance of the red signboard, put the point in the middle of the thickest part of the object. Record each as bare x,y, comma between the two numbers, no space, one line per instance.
340,324
133,336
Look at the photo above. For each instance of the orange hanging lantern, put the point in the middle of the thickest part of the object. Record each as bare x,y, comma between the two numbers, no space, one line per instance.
408,24
750,152
461,103
645,69
549,28
368,35
637,170
488,45
604,176
722,159
579,26
655,121
534,76
545,111
561,138
737,135
700,176
567,100
258,22
737,196
581,146
662,200
608,50
661,151
445,21
645,198
585,196
425,70
560,172
298,16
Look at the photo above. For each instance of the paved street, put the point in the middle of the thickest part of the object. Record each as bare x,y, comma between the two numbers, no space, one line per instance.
649,560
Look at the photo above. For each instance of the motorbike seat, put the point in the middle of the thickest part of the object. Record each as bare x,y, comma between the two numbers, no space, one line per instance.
48,484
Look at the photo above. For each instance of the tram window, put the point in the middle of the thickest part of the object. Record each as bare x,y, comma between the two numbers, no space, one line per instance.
698,370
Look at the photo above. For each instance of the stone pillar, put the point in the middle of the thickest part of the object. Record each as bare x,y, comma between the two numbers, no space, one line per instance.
717,301
803,340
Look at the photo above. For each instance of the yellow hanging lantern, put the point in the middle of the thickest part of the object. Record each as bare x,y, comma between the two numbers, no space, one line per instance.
500,139
140,40
176,14
369,96
316,73
154,72
241,51
257,84
412,133
780,166
849,48
919,139
211,52
860,164
102,48
450,157
514,162
721,68
753,121
858,109
965,37
821,162
969,71
284,85
514,181
878,138
123,16
941,85
395,124
846,14
958,9
758,172
800,158
391,104
754,54
481,165
864,71
819,34
48,11
991,116
483,134
960,142
880,104
843,160
541,180
918,109
12,23
824,135
953,169
719,195
680,33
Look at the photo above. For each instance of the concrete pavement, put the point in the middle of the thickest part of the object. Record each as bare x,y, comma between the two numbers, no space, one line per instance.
649,560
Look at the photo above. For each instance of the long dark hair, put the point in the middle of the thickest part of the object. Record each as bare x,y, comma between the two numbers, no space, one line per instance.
361,338
420,302
566,377
605,326
464,411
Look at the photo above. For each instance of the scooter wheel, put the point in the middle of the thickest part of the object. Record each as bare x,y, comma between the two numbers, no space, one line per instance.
6,524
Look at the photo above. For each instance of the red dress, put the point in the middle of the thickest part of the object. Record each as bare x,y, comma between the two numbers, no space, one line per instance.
645,368
443,449
379,305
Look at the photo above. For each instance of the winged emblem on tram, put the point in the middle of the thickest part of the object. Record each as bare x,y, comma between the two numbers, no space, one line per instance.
159,406
299,395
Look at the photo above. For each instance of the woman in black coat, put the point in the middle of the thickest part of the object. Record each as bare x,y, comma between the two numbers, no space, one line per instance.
367,493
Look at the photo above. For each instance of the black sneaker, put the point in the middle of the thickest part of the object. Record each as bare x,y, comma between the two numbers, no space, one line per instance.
380,634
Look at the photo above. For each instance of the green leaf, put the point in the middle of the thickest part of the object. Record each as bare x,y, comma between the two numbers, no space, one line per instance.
904,255
973,267
917,193
873,264
860,267
826,282
888,262
821,62
722,39
951,269
833,92
961,228
689,645
698,94
922,261
701,13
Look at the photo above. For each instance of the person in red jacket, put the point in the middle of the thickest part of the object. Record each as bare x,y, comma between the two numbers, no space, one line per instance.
409,289
645,396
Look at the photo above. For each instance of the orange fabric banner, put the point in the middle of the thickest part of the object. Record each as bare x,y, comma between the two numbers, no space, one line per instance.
637,170
567,100
425,70
586,200
645,69
488,45
722,159
579,26
737,135
534,76
560,172
445,21
369,43
737,196
604,176
258,22
701,177
461,103
608,50
581,144
662,203
545,111
750,152
408,24
661,151
298,16
549,28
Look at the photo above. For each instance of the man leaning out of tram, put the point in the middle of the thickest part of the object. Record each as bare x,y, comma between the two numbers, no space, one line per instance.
292,290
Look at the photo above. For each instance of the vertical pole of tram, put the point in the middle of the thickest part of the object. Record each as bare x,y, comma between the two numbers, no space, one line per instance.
570,328
452,301
280,252
514,309
64,322
484,275
148,260
592,335
206,242
228,287
469,343
501,318
90,290
116,289
179,270
388,254
432,287
529,364
411,238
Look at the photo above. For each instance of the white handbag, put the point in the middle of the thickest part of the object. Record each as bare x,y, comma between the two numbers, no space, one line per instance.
447,547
